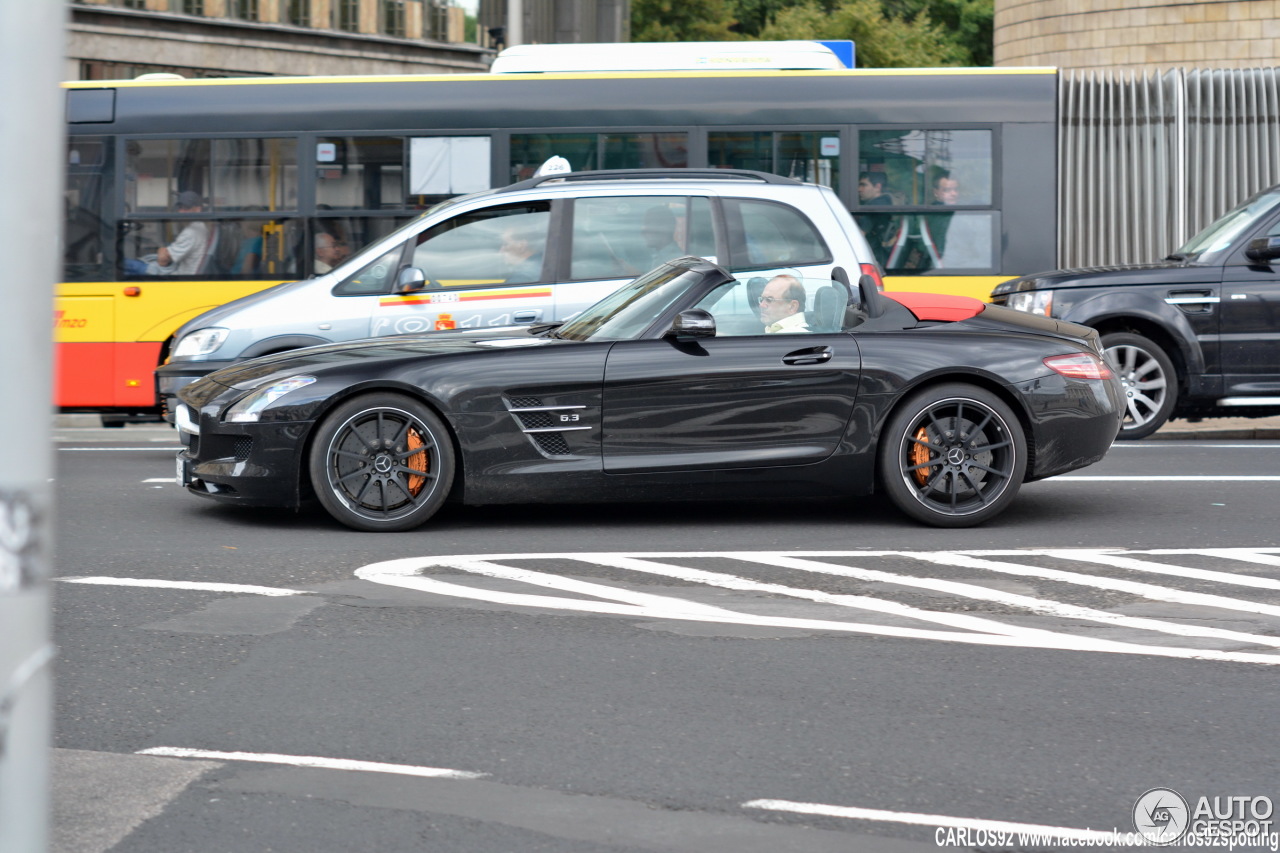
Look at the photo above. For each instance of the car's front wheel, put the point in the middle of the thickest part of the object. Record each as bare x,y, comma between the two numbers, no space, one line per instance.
382,462
953,456
1150,383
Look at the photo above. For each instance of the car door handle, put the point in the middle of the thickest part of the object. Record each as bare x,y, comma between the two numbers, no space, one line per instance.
811,355
526,316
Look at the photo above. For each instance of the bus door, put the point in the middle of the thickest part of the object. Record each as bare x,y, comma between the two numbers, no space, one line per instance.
483,268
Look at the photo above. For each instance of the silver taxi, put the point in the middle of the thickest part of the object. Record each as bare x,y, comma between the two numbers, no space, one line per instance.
534,252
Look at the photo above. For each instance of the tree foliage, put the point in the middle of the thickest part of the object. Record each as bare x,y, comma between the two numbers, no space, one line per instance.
882,42
681,20
888,33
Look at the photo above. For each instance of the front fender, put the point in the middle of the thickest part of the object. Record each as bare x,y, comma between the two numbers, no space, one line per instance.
1141,310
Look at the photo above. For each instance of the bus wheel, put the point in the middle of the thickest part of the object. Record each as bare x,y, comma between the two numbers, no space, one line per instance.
1150,383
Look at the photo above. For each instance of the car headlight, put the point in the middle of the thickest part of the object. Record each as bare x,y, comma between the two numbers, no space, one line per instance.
250,406
200,342
1032,301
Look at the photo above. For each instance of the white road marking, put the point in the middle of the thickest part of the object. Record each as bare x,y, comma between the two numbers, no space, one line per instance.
312,761
1103,558
174,447
606,599
160,480
1160,445
934,820
1166,478
199,586
1026,602
1146,590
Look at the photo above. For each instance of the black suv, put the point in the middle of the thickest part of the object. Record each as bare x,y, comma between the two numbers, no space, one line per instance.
1195,335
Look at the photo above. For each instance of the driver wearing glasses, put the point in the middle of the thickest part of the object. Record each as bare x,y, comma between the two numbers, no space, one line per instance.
782,306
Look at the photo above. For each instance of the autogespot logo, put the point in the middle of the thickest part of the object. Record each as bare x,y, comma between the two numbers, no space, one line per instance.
1161,815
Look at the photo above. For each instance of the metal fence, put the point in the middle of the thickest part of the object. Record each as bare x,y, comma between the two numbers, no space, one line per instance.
1145,162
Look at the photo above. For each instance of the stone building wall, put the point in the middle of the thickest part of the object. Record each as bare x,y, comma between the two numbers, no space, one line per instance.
1137,34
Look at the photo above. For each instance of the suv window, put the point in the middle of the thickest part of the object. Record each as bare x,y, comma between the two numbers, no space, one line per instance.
624,236
496,245
766,234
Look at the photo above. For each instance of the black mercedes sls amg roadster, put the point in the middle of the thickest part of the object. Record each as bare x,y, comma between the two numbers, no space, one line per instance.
686,383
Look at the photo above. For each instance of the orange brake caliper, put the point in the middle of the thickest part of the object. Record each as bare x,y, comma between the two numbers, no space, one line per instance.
417,462
920,455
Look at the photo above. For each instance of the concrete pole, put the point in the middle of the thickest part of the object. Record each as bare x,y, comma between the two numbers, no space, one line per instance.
515,22
32,153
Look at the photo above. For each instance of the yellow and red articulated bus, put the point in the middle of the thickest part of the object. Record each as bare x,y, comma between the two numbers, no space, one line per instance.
289,175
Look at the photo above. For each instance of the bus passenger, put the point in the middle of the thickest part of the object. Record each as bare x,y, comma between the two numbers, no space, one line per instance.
782,306
186,254
330,251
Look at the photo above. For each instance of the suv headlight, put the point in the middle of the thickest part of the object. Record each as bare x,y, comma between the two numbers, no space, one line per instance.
248,408
200,342
1038,302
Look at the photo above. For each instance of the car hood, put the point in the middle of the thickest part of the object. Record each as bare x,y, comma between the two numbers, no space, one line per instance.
1163,272
217,316
459,342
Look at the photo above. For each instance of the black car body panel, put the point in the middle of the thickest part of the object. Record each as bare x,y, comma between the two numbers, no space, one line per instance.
1213,308
538,418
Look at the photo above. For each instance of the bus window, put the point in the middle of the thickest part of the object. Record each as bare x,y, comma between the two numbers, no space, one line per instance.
231,174
222,248
811,155
740,149
343,236
531,150
916,162
85,232
254,174
903,171
444,166
362,173
646,150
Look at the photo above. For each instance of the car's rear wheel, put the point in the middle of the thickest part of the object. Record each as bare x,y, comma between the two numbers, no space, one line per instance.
1150,383
953,456
382,462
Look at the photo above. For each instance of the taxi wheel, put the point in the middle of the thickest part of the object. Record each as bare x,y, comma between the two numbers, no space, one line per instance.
1149,380
952,456
382,462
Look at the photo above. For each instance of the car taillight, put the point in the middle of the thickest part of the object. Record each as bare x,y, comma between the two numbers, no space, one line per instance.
1078,366
874,272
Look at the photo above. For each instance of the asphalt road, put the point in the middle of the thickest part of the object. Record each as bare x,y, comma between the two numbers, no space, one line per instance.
676,677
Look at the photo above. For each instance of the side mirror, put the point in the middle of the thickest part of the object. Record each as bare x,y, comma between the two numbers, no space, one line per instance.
1263,249
694,323
411,280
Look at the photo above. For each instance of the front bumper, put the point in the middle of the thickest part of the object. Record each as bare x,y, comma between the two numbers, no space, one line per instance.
247,464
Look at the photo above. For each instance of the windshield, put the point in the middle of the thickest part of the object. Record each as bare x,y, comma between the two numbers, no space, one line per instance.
1224,231
628,311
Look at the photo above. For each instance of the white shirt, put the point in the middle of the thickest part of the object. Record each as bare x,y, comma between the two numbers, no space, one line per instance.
789,325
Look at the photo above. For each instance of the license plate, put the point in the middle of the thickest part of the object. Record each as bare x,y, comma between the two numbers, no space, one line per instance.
182,470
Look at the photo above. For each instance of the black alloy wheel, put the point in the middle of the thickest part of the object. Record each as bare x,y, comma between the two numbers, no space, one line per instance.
953,455
1150,383
382,462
